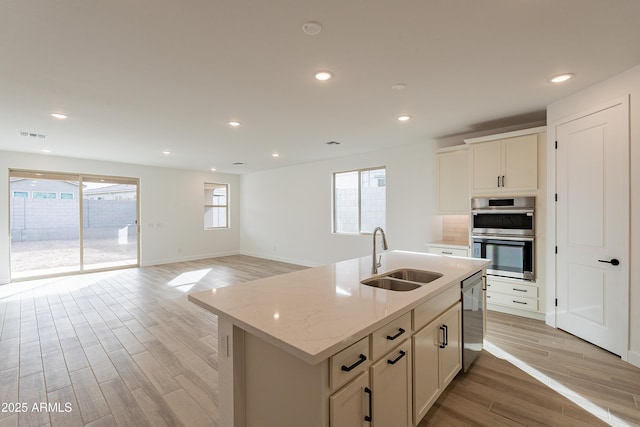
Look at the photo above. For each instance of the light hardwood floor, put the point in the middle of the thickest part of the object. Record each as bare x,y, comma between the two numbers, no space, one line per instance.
126,348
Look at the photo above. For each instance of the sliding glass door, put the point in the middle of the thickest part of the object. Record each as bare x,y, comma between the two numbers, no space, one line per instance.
109,222
64,223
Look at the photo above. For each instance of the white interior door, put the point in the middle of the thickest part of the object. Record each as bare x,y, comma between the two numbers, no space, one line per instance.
593,227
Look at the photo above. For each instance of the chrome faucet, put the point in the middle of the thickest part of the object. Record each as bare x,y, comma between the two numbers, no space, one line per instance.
376,260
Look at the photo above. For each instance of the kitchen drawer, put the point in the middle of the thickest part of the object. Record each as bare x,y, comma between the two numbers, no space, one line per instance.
349,363
443,250
512,301
517,289
393,333
426,312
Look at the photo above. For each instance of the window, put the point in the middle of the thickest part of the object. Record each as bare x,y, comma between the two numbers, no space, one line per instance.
44,195
216,205
359,200
23,194
66,196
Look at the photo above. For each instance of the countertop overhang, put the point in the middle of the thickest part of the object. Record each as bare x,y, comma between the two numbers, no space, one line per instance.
314,313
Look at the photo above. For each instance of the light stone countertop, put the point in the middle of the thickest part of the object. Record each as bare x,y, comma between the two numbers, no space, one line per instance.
314,313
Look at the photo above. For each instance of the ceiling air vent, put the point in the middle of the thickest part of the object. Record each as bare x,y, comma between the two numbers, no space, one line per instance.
32,135
332,143
238,163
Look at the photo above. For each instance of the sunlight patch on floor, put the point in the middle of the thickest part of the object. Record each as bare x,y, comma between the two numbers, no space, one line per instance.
581,401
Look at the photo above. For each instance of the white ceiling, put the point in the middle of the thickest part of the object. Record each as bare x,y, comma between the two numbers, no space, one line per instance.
137,77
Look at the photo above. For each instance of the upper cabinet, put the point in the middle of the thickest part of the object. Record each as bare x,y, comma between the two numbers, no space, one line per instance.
504,163
453,181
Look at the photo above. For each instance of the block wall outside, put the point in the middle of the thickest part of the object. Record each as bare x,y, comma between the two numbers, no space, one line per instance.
55,219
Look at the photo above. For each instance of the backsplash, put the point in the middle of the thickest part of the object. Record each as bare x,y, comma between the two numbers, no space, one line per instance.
455,228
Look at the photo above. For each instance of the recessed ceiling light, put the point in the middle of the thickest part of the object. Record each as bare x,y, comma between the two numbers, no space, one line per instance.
166,152
312,28
234,123
398,86
213,169
46,150
275,155
59,116
404,118
562,78
323,75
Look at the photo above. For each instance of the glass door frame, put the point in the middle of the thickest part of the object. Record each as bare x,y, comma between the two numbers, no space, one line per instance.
80,178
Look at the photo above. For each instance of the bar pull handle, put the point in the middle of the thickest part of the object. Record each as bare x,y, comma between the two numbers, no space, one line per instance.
613,261
361,359
394,361
520,290
400,332
519,302
498,180
370,416
446,335
442,343
503,180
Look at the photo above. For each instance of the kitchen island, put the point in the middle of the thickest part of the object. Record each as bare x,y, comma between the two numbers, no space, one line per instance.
297,349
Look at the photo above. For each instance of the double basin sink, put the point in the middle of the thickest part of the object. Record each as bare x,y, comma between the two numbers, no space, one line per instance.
405,279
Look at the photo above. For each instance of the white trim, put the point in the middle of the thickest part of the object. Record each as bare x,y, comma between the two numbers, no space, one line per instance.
452,148
633,357
539,129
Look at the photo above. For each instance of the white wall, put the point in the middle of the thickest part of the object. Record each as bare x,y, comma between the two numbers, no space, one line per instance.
171,207
627,83
286,212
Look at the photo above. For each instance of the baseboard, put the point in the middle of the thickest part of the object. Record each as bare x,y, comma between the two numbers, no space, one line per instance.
295,261
634,358
187,258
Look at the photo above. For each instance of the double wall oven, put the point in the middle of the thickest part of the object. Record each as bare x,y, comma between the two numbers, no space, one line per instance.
503,230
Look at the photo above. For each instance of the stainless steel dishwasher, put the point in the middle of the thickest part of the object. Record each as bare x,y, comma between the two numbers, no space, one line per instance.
472,318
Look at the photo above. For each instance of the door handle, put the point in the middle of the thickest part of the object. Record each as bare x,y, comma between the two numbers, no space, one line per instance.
613,261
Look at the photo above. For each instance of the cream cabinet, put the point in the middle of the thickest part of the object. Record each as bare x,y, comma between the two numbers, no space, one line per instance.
504,165
350,406
449,250
512,295
437,354
452,166
391,388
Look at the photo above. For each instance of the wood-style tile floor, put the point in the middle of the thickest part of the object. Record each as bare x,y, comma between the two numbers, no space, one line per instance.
126,348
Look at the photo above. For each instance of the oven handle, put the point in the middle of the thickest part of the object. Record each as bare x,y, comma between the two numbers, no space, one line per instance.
498,237
528,212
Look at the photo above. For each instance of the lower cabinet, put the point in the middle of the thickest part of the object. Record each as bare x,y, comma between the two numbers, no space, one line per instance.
391,388
380,397
352,405
437,358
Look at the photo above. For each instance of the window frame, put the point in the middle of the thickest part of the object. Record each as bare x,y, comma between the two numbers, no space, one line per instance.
359,195
217,205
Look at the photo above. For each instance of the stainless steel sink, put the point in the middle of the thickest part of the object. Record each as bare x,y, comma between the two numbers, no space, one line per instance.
422,276
391,284
402,280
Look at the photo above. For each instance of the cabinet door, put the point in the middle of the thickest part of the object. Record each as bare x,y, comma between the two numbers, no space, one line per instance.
486,166
453,182
391,385
426,372
451,354
350,405
520,167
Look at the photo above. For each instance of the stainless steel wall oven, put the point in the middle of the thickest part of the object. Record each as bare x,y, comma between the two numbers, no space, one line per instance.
503,230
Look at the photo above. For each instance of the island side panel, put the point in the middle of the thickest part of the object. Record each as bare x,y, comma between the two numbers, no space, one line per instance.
231,394
282,390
